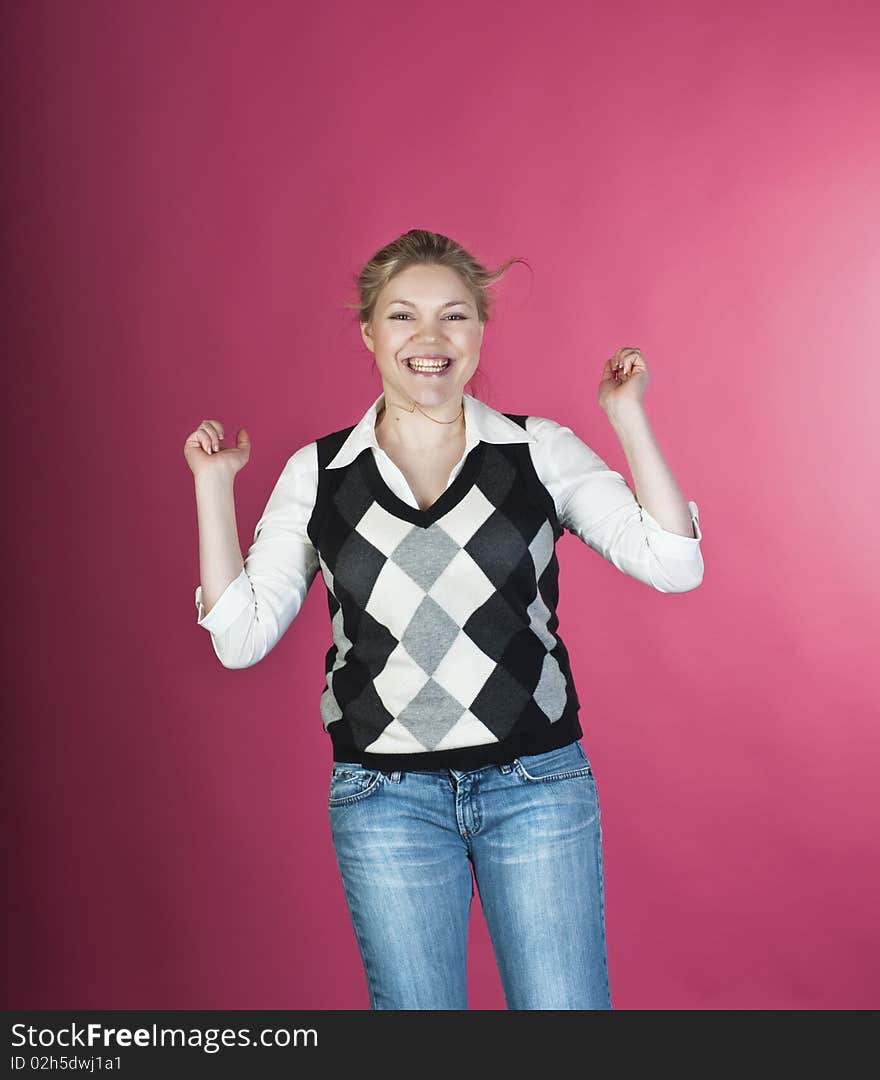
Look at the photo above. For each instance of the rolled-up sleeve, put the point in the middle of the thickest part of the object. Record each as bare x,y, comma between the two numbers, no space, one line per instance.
595,504
256,608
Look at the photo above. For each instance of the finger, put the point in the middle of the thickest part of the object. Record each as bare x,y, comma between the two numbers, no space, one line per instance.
214,430
199,438
629,359
214,427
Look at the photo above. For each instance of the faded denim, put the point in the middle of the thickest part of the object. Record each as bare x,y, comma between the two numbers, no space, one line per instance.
409,845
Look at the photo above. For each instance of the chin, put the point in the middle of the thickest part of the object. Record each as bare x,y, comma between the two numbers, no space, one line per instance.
435,393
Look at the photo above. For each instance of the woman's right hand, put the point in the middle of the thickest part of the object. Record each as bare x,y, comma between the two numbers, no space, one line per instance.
204,450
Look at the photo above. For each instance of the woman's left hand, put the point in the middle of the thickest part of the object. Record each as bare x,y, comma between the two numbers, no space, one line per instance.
624,379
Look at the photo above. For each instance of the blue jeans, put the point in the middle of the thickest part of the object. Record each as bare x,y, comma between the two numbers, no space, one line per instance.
406,843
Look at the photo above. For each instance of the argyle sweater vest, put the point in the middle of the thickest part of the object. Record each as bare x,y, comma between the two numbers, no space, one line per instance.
445,652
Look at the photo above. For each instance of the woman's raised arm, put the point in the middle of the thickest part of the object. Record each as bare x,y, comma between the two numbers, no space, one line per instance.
248,604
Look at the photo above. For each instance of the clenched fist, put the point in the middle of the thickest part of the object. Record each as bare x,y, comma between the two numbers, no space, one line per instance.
204,450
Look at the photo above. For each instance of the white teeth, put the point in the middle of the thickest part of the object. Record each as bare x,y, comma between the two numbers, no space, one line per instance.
427,365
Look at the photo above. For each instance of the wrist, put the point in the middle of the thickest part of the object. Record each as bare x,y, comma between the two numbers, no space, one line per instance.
625,414
214,480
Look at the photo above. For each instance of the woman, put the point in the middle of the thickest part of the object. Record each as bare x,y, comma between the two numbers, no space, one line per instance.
449,698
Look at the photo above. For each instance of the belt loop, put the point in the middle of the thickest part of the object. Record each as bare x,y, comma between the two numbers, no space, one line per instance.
396,775
507,767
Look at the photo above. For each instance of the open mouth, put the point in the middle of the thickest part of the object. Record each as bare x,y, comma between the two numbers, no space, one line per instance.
428,365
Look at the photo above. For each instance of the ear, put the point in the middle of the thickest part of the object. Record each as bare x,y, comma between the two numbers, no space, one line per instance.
367,336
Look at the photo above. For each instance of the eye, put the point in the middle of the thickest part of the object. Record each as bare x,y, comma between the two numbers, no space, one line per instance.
405,315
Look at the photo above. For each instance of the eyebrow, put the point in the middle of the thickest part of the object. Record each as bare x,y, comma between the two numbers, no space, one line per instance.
409,303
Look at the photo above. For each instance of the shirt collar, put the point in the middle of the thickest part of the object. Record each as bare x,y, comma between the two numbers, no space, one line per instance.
482,423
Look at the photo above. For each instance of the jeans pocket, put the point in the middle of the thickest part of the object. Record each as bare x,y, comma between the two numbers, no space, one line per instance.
351,781
559,764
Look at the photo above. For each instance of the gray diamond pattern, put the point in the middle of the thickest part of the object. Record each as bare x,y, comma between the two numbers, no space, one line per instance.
424,554
431,714
429,635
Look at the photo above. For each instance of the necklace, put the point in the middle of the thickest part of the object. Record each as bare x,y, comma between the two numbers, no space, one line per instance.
415,405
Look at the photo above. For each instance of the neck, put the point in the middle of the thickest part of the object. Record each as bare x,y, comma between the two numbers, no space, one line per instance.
405,424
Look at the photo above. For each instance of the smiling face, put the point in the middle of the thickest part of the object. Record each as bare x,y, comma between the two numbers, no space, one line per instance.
423,314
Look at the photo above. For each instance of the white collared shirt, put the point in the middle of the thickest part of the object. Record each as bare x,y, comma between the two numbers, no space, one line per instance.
592,501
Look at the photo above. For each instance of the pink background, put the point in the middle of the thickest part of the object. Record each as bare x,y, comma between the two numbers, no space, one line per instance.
188,191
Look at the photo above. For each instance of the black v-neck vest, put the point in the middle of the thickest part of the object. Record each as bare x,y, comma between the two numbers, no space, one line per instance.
445,652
